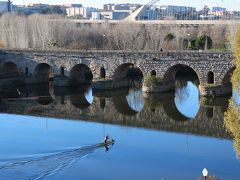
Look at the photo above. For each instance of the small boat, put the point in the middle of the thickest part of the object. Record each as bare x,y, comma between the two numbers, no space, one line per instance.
109,142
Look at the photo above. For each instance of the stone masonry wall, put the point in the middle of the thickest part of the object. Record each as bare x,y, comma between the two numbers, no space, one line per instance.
201,62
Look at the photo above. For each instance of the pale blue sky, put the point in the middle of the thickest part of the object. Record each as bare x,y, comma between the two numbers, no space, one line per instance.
229,4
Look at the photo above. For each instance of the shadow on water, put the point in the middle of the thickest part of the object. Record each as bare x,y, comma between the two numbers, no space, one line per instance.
41,166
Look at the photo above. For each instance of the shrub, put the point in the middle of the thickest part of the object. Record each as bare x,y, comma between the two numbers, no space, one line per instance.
151,80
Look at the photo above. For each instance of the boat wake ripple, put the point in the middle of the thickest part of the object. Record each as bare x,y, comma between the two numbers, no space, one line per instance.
38,167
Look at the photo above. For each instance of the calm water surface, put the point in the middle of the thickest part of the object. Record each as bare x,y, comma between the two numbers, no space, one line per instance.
162,136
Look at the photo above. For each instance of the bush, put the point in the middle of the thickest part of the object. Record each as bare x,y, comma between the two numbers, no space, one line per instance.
151,80
203,40
52,44
169,37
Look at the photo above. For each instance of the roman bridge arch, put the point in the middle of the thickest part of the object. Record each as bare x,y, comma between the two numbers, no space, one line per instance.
175,69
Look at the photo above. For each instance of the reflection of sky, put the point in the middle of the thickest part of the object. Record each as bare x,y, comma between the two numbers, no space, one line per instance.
236,98
89,95
187,100
135,99
137,154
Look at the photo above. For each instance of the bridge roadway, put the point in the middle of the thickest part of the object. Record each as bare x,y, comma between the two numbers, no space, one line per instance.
163,22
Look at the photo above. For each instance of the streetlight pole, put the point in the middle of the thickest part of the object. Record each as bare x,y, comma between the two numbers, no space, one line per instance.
188,41
104,36
206,42
205,173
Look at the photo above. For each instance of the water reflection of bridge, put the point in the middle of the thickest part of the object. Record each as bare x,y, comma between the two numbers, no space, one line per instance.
159,112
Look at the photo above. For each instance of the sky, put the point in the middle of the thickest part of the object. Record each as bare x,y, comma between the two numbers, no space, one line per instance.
229,4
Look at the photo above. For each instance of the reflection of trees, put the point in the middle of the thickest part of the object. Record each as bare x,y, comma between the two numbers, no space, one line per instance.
208,178
135,99
232,115
232,123
182,91
236,79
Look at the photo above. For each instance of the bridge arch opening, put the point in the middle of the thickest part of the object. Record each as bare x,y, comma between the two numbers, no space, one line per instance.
43,72
227,78
9,69
102,72
210,77
81,74
153,73
181,71
127,71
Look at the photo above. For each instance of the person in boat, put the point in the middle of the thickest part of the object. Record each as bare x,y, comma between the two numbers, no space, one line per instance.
106,139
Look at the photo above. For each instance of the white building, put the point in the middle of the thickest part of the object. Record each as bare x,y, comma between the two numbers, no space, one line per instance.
85,12
96,16
111,15
5,6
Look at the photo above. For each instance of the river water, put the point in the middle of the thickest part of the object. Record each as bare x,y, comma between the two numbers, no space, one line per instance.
51,133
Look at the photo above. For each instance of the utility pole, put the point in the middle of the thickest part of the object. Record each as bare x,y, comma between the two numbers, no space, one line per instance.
9,6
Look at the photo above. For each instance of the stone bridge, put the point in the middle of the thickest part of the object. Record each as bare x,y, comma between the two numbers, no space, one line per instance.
41,65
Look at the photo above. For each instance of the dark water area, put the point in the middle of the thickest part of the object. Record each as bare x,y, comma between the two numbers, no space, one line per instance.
53,133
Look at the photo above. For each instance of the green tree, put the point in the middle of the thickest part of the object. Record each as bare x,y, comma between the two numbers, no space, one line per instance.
236,74
169,37
203,42
53,10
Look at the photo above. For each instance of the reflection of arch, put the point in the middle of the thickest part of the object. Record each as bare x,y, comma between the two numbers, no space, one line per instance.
210,77
102,72
167,102
179,70
81,74
79,101
127,70
227,78
122,106
9,68
171,110
42,91
43,72
153,73
135,99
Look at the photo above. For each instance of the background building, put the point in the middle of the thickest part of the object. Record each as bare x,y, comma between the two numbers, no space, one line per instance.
111,15
79,10
5,6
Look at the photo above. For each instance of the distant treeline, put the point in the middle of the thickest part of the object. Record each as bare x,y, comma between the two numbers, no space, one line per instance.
52,31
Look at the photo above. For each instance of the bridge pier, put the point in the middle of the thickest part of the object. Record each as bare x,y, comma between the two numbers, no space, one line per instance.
159,87
214,90
110,84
